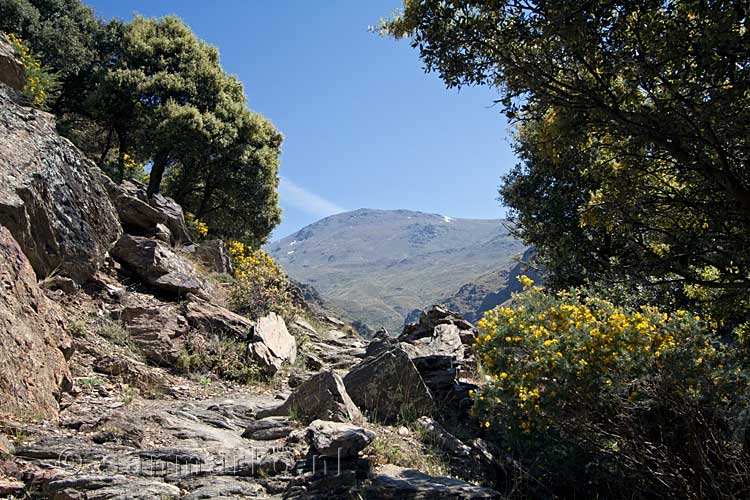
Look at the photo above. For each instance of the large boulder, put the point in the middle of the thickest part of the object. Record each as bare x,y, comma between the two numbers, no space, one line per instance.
272,345
33,342
437,346
141,215
158,265
323,396
389,387
338,439
50,197
11,67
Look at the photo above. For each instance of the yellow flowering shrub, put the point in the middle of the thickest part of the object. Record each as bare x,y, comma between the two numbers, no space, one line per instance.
40,83
567,374
260,284
197,228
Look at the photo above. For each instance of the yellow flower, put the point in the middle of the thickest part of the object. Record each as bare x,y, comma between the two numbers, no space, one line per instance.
525,281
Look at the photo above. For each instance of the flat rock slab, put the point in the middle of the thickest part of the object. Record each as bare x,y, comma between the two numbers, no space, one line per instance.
110,488
338,439
267,429
272,345
395,483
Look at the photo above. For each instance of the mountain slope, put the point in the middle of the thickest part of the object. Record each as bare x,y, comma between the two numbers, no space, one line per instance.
485,292
379,265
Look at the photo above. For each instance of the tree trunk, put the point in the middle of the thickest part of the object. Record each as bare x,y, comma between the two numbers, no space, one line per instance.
123,139
107,147
156,175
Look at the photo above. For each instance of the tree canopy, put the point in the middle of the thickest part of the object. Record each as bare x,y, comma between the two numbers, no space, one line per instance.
632,133
149,92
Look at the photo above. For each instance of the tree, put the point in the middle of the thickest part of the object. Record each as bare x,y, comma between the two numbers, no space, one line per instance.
65,33
228,176
633,120
151,92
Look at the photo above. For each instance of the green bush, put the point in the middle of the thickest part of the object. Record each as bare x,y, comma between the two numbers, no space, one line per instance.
226,358
594,397
260,286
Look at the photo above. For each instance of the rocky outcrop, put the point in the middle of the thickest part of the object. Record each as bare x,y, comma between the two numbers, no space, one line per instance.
213,319
437,346
11,67
272,345
323,396
338,439
175,218
142,215
213,254
33,343
50,197
153,330
389,387
159,266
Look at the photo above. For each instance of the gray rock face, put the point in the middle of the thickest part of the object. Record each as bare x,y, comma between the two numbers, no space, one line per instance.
323,397
211,318
174,215
444,439
11,67
268,428
153,330
388,386
338,439
272,345
32,339
157,265
139,214
436,345
111,488
395,483
50,197
213,254
444,340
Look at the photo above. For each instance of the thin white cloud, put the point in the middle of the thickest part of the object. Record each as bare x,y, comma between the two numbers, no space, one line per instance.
299,197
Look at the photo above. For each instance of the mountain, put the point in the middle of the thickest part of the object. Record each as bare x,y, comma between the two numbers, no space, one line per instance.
485,292
380,265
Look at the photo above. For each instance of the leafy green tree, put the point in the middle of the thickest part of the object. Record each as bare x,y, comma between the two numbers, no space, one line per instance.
633,133
151,92
64,33
228,175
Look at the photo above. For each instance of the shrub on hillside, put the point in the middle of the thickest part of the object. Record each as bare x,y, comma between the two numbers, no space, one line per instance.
260,285
594,397
41,83
197,228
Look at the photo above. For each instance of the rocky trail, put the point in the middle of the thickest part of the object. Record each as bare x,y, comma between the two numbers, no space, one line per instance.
121,365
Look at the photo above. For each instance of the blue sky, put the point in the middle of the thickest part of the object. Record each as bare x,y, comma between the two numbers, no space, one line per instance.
364,126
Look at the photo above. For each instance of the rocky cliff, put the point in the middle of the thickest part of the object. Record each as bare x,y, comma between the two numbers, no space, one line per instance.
124,376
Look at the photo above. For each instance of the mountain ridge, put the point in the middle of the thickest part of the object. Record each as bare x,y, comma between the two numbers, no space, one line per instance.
379,265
